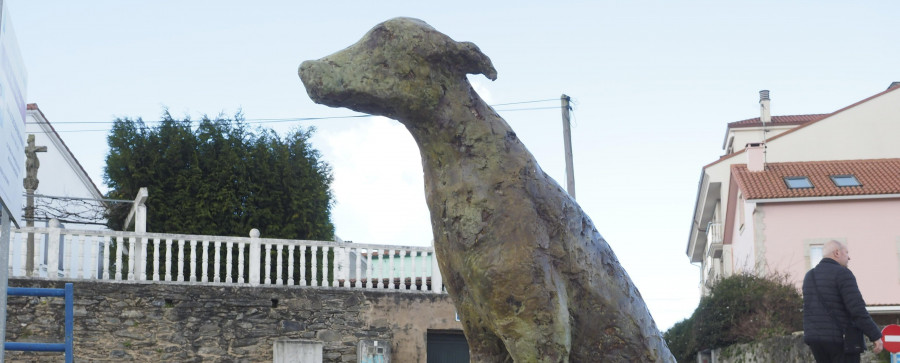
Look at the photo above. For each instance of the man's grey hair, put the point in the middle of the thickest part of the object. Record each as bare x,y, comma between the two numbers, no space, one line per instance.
831,247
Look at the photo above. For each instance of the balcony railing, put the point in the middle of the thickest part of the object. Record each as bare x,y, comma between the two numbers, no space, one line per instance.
714,235
130,256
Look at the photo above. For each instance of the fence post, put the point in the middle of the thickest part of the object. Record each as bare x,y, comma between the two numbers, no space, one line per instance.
138,213
254,257
437,281
140,255
53,249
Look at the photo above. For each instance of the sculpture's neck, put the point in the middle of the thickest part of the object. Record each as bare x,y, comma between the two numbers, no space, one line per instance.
462,127
467,146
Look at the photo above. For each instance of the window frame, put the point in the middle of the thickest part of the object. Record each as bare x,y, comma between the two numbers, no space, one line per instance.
788,179
834,179
813,247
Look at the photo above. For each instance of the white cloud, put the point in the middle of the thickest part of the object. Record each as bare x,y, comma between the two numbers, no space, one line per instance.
378,184
480,85
378,181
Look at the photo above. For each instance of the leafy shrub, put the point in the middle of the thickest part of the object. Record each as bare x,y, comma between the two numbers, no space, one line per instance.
738,309
680,339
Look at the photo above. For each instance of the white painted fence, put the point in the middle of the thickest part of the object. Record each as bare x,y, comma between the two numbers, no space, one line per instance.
112,255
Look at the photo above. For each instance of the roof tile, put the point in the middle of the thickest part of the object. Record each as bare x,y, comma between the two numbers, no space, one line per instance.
779,120
876,176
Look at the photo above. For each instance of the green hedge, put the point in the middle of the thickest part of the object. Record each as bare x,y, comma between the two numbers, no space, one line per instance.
738,309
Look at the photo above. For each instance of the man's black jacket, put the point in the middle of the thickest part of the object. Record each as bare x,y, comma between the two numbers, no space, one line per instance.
840,293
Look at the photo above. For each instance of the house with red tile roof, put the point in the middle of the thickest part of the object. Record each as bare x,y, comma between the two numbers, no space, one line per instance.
788,184
780,216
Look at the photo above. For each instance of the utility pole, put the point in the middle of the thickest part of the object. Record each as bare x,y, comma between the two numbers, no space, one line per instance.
567,137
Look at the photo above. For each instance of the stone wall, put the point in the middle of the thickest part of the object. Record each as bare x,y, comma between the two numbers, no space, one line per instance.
778,349
116,321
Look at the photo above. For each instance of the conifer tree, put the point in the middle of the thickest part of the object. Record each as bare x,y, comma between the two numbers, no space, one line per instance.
219,177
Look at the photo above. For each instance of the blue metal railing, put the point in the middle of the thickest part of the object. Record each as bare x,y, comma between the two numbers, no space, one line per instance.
68,294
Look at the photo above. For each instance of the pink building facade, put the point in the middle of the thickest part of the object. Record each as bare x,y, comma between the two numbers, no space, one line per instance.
780,215
783,237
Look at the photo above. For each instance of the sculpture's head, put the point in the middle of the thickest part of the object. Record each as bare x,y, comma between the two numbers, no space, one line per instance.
399,69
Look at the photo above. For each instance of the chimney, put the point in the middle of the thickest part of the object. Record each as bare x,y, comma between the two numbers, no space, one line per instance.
764,112
756,151
894,85
756,156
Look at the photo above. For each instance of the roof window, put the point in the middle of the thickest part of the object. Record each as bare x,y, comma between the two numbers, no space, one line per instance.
798,182
848,180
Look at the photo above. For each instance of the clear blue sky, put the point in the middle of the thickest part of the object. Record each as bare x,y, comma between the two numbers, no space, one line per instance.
654,85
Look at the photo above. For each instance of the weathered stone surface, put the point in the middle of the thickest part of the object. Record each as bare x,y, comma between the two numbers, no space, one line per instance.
790,348
132,314
531,277
291,325
332,356
130,334
222,332
329,336
119,354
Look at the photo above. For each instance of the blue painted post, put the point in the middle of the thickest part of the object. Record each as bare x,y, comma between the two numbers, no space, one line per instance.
70,322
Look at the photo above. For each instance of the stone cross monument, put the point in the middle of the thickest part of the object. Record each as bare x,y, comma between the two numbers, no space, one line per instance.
31,183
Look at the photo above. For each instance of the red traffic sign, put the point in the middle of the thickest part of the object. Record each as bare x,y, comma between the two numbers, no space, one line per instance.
890,335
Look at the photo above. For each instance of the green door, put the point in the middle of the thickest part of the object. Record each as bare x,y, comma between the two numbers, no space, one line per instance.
447,347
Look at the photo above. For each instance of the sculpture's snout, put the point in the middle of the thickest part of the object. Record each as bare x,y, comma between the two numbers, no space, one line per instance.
305,70
311,75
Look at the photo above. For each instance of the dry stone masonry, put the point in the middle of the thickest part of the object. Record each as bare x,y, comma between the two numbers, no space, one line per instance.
165,322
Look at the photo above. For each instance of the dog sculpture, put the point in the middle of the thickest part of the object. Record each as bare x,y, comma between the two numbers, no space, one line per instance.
531,278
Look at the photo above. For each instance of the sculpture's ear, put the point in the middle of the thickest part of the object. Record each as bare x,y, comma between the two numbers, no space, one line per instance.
478,62
467,58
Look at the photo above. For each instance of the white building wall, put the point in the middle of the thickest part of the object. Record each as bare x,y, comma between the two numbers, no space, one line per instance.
867,131
59,172
743,136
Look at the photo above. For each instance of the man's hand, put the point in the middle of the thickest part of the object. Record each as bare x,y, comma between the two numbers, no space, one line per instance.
879,345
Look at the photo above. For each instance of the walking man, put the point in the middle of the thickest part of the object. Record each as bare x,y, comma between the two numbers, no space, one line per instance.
834,313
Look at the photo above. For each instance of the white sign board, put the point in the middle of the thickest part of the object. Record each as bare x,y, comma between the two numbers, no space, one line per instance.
12,119
297,351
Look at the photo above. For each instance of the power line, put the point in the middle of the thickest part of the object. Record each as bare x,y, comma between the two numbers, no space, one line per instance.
294,119
249,120
55,197
530,109
264,120
68,131
521,102
272,120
